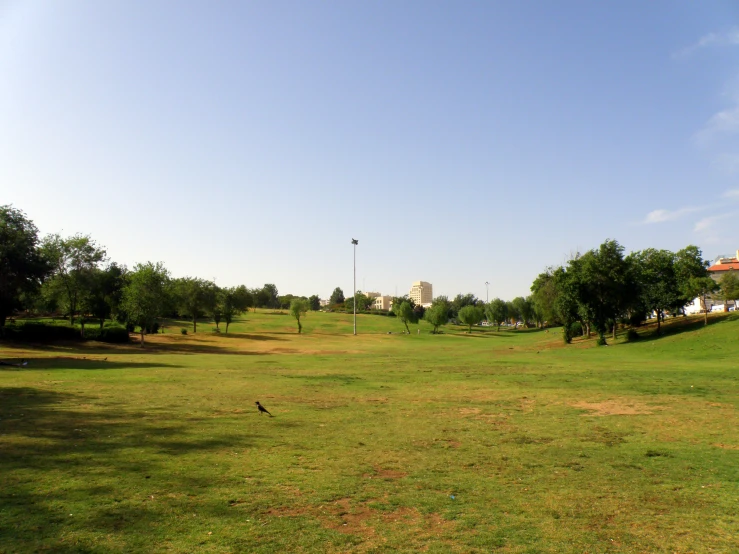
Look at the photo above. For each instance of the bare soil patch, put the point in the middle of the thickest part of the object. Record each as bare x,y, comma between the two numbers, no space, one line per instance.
615,407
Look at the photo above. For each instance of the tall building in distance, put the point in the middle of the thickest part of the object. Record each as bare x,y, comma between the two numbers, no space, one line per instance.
422,293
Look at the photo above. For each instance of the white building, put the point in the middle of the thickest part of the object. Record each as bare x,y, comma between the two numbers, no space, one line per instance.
422,293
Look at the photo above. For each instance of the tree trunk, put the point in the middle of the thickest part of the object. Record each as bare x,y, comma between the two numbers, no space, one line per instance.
142,336
227,327
102,322
82,327
406,327
705,312
194,325
659,314
300,327
614,331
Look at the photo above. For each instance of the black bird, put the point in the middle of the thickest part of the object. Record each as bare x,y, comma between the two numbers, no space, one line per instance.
262,409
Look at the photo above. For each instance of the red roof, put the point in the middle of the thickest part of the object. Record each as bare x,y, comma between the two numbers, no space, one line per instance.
725,267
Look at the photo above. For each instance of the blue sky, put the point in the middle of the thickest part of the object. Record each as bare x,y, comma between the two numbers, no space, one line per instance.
460,142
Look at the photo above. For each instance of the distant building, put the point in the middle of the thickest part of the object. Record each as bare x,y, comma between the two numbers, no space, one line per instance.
382,302
722,266
323,302
372,294
422,293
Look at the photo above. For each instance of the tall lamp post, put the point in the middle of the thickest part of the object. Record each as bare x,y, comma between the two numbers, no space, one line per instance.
355,242
487,296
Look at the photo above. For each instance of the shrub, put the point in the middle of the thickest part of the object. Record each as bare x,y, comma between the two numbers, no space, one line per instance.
575,329
36,331
601,341
632,335
112,334
183,331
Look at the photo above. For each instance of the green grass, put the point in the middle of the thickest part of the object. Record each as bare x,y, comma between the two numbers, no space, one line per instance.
496,441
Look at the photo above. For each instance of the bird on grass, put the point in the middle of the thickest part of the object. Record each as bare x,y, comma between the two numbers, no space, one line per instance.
262,409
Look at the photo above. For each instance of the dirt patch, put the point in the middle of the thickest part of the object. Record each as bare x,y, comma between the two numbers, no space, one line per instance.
727,446
614,407
469,411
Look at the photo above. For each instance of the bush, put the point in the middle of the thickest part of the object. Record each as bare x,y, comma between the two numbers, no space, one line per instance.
632,335
575,329
183,331
36,331
117,334
601,341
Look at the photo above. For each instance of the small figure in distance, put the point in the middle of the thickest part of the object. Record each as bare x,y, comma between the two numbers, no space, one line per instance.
262,409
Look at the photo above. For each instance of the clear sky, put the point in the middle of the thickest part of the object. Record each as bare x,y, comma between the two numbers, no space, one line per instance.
460,141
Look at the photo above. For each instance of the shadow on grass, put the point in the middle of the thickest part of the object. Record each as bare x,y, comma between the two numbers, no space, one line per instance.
81,362
682,325
73,465
249,336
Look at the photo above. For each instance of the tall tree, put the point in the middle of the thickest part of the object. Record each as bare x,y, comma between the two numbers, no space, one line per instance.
271,295
654,271
605,288
497,311
212,302
315,302
73,259
524,308
233,301
145,295
22,266
544,296
298,308
337,297
105,292
470,315
462,300
404,312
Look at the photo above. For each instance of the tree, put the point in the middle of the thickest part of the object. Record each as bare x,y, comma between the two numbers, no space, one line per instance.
605,287
524,309
497,311
654,271
298,308
106,289
729,287
337,297
315,303
470,315
404,312
271,294
544,296
73,260
512,312
211,302
190,298
22,265
145,295
460,301
689,265
437,315
701,287
233,301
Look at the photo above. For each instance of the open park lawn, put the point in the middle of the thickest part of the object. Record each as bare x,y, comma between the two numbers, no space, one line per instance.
503,441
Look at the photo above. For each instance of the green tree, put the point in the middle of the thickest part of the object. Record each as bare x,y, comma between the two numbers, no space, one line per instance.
689,265
22,265
544,297
271,296
233,301
315,302
654,271
605,287
212,302
729,287
460,301
337,297
497,311
524,308
470,315
438,314
298,308
103,299
404,312
701,287
511,312
73,259
145,295
190,298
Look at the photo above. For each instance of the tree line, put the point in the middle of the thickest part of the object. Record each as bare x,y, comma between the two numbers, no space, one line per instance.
74,276
597,290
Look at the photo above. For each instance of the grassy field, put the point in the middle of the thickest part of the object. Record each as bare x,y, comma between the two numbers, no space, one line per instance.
497,441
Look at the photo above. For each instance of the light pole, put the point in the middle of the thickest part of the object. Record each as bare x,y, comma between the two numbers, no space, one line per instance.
487,296
355,242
